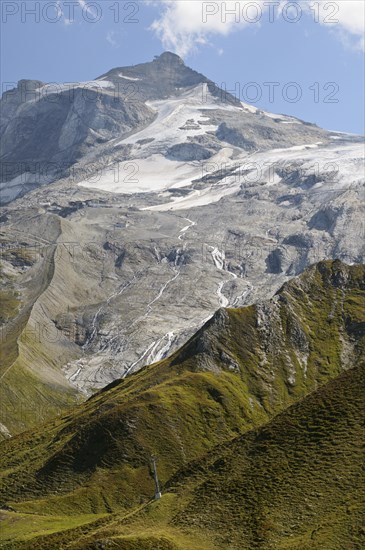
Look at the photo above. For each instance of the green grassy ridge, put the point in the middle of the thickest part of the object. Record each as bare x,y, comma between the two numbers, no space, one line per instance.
27,401
145,528
78,460
296,483
29,527
232,375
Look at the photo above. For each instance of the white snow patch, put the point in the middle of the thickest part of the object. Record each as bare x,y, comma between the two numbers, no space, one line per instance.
154,173
128,77
173,114
147,175
197,198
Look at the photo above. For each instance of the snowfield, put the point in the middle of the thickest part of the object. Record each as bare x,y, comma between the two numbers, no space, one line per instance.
335,167
173,114
179,119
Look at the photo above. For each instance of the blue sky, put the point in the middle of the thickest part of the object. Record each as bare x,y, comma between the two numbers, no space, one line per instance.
78,40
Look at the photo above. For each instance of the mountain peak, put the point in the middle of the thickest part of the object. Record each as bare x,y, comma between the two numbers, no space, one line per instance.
157,79
170,58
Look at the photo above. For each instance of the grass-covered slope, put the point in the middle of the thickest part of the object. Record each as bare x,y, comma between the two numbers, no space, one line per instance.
296,483
238,372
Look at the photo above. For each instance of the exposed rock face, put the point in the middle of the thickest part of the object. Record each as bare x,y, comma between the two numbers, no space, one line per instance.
165,76
81,118
324,220
234,137
188,152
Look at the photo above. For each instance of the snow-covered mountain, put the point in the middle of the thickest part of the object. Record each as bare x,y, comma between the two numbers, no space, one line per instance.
137,204
159,114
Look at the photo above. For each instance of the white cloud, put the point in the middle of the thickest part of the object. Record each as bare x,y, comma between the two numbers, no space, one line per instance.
346,18
110,37
183,25
351,16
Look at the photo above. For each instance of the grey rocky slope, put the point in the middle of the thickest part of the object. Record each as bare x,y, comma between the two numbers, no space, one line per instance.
169,198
